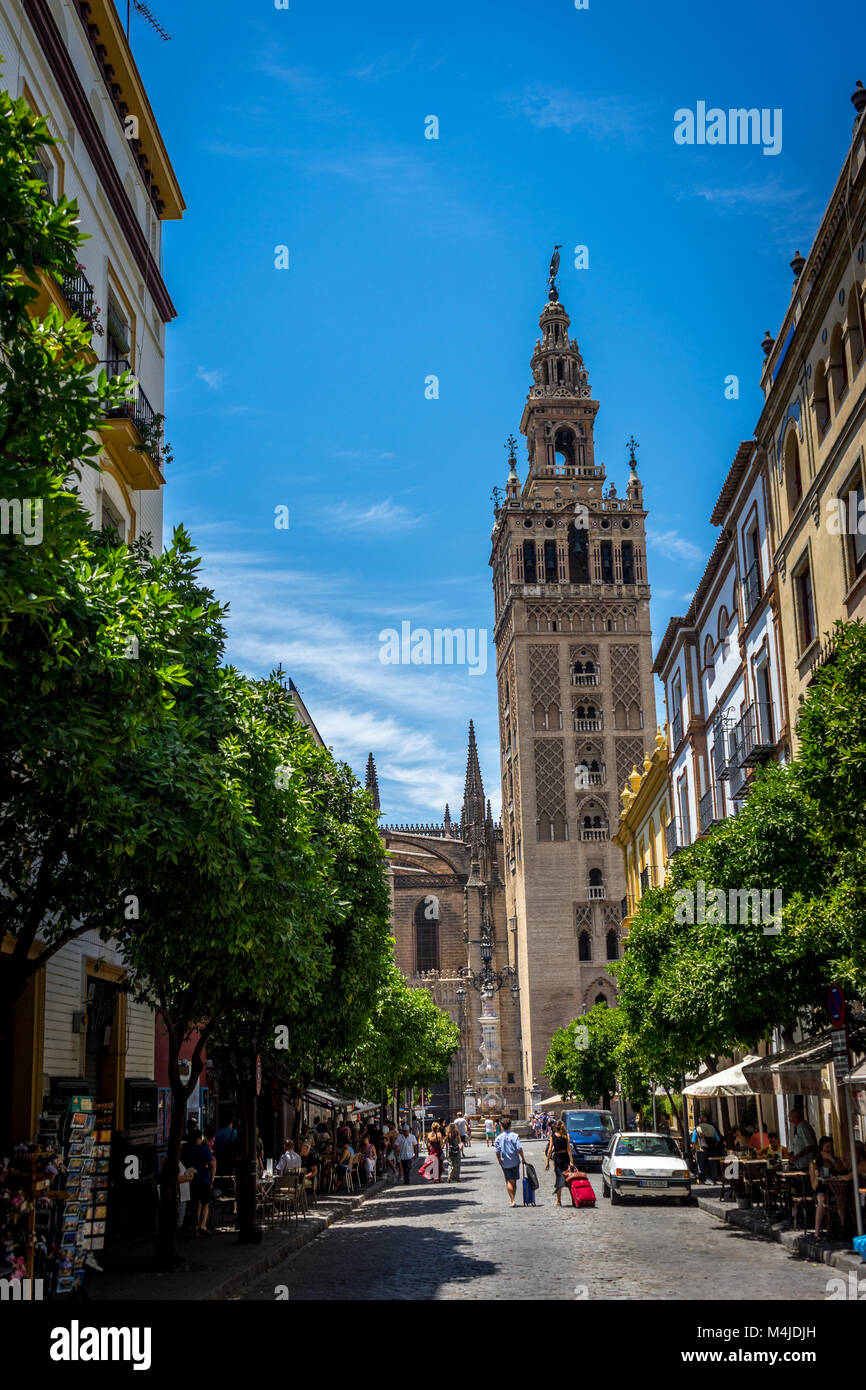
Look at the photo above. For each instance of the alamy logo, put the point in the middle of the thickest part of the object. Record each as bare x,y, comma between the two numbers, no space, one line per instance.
442,647
21,1290
22,517
737,126
75,1343
716,908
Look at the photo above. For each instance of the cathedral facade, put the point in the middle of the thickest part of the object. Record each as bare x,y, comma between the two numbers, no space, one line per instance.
575,691
448,919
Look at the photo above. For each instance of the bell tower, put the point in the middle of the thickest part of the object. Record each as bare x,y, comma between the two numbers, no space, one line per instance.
575,689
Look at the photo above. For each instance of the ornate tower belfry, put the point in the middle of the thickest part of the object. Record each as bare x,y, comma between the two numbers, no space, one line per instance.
575,687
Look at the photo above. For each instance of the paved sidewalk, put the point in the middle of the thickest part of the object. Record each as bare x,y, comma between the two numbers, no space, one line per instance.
218,1267
836,1253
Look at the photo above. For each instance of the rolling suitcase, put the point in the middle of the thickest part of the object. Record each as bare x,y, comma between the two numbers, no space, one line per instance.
528,1193
581,1190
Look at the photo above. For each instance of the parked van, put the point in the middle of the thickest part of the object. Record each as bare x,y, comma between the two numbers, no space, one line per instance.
590,1132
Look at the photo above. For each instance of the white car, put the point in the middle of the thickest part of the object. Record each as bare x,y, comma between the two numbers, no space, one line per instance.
644,1165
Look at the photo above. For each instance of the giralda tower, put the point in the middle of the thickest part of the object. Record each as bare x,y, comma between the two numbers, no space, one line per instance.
575,687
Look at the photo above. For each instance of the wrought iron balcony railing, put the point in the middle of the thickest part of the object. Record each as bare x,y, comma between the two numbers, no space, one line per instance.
720,760
677,729
674,839
78,293
707,811
752,589
756,734
136,408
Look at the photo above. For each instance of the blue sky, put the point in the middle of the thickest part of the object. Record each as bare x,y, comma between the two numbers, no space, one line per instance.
305,388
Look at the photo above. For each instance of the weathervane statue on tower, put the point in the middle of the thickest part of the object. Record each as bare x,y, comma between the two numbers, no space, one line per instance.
552,291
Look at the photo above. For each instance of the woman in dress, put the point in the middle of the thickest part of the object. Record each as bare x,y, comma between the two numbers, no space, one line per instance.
431,1168
821,1170
559,1149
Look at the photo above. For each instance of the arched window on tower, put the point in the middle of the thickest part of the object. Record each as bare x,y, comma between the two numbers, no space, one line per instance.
551,563
600,999
563,446
427,934
627,562
612,946
529,569
578,554
606,562
584,946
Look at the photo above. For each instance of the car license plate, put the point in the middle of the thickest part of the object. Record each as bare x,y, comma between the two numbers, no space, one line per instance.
653,1182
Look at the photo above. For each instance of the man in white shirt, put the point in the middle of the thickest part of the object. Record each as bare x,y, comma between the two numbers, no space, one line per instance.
290,1159
407,1147
462,1127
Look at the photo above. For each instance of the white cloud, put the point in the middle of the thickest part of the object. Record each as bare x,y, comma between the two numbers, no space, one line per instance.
603,118
385,516
212,377
675,547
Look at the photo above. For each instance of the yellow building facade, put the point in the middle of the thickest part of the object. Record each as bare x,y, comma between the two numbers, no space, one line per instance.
645,815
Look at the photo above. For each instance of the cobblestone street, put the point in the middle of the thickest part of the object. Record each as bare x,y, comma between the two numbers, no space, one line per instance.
457,1242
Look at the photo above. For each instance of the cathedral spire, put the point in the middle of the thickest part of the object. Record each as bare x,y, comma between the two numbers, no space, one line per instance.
473,795
371,783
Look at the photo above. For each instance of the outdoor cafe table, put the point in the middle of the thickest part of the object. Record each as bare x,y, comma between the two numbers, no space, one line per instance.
753,1170
788,1179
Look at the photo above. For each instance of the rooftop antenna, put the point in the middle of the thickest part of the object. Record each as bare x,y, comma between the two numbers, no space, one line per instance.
151,18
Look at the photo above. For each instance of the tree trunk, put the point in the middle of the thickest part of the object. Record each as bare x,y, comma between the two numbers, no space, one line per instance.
166,1231
249,1231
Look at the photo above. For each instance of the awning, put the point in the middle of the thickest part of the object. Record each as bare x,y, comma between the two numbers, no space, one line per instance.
797,1071
324,1096
730,1082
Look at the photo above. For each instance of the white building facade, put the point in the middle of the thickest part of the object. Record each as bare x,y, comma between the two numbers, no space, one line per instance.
721,664
72,64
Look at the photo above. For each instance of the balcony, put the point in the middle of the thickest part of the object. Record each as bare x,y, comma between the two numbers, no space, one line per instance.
674,839
756,734
133,439
752,590
596,891
587,726
644,881
626,908
707,811
720,762
593,834
74,294
677,729
79,293
584,679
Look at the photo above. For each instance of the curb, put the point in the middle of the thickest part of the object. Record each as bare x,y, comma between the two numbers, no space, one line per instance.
781,1233
316,1222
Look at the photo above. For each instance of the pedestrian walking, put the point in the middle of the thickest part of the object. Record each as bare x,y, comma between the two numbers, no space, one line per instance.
708,1141
509,1155
455,1153
431,1168
488,1131
559,1150
407,1147
462,1129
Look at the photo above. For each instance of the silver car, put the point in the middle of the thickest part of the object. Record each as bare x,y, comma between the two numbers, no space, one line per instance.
644,1165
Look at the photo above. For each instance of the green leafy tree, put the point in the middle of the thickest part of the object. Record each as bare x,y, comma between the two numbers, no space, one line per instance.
408,1041
233,892
582,1060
